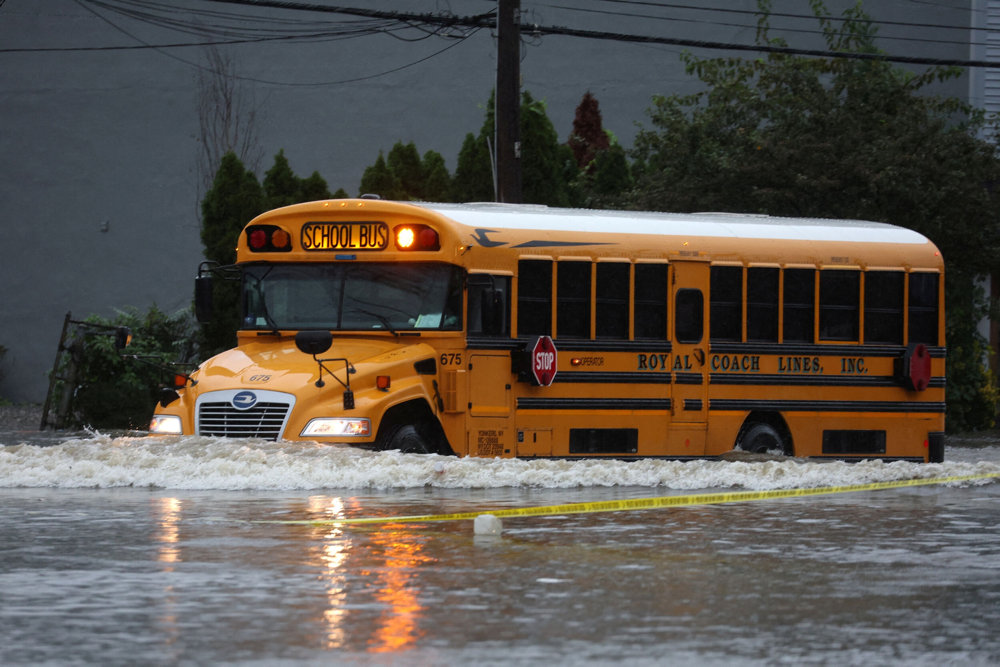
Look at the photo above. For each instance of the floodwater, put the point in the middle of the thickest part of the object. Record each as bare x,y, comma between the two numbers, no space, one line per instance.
163,551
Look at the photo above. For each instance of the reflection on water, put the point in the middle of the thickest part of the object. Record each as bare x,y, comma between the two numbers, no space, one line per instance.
332,551
398,585
385,571
166,513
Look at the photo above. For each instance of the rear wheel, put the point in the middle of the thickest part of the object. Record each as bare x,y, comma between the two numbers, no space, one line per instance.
761,438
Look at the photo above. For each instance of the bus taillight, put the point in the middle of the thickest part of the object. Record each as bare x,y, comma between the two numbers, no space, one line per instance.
268,238
416,237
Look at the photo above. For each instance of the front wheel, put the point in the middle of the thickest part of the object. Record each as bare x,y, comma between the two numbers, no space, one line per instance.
407,439
761,438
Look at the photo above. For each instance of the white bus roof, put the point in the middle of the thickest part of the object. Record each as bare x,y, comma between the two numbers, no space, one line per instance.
725,225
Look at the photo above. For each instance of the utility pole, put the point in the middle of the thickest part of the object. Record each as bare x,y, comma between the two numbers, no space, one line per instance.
507,114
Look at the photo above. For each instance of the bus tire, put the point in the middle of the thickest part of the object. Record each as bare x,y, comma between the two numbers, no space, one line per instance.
761,438
407,439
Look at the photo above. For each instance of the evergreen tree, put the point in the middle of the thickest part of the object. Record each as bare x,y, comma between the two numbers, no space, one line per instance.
281,185
234,199
283,188
379,180
404,176
547,167
473,180
840,137
437,182
403,162
588,136
314,188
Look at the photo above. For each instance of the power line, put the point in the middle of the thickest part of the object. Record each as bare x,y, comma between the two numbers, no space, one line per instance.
782,30
160,49
481,21
488,21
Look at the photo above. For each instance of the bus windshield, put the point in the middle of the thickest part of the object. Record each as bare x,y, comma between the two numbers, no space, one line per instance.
356,296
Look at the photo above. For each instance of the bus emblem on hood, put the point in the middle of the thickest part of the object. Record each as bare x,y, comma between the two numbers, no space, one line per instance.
244,400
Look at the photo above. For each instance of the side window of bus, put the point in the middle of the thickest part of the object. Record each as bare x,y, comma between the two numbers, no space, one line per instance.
923,315
884,306
839,301
762,304
726,303
573,299
534,297
689,306
612,300
650,295
489,305
799,305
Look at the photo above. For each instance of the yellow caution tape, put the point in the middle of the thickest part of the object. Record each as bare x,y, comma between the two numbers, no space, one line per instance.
633,504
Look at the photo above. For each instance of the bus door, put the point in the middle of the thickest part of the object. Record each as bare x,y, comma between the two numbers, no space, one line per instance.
689,368
489,418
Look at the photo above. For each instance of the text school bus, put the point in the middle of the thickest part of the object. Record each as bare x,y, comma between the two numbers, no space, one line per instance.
498,330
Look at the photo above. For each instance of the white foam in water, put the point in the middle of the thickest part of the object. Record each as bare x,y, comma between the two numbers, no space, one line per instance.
191,462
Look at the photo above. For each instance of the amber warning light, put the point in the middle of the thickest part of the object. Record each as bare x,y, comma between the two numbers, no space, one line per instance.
416,237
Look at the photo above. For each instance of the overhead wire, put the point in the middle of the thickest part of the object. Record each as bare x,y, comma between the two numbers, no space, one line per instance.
368,31
434,24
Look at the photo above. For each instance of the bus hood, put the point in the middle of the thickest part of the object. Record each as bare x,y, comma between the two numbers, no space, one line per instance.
281,366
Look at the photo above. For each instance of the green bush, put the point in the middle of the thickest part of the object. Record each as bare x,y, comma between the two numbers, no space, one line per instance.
113,391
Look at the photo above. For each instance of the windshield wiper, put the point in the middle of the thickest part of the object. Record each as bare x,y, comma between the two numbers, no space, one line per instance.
381,318
263,303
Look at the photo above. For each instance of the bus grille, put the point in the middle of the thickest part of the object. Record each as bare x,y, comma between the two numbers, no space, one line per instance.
264,420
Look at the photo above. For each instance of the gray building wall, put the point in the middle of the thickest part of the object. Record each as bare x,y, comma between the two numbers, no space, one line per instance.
99,185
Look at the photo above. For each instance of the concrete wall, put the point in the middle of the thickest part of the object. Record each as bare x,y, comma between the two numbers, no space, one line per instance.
99,186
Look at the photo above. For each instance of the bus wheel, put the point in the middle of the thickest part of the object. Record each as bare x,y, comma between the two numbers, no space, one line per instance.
761,438
406,438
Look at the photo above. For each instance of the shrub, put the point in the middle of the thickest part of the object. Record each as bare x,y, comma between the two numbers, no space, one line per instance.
113,391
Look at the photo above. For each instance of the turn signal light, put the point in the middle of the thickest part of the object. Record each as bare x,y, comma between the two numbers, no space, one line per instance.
268,238
416,237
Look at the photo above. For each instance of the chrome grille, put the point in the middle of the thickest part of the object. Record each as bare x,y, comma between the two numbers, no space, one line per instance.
263,420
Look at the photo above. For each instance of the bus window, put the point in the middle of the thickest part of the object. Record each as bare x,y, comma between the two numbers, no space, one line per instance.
762,304
923,315
799,305
534,297
688,308
489,305
839,298
884,307
726,303
650,295
612,300
573,300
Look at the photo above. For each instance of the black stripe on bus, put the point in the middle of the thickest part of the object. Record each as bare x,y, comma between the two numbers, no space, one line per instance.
815,350
739,404
570,344
812,380
590,377
593,404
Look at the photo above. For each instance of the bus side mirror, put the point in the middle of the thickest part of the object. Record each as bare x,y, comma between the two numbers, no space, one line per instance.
203,285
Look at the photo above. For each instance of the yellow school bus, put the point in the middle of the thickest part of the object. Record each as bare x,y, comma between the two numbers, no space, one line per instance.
509,330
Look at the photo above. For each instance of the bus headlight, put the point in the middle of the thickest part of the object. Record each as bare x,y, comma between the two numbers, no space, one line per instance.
325,427
165,425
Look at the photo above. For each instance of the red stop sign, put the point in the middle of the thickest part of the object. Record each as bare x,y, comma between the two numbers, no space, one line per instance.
543,361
